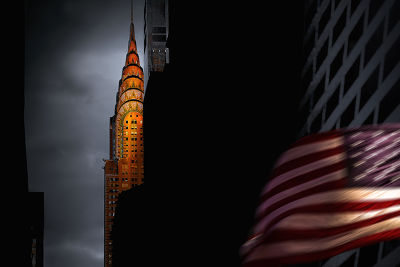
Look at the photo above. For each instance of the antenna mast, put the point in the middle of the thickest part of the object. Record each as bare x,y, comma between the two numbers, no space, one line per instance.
131,11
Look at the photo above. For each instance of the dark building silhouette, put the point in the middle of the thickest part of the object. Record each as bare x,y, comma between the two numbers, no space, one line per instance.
216,119
24,226
351,77
36,227
129,229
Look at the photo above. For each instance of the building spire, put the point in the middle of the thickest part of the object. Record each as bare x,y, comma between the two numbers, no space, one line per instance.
132,30
131,11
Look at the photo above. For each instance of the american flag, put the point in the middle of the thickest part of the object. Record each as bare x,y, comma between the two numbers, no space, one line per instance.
330,192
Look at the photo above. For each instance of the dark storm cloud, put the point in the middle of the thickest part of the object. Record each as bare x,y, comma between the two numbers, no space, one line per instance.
75,52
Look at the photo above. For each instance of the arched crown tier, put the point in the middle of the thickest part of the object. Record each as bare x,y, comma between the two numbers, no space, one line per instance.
132,58
132,70
131,83
130,95
132,106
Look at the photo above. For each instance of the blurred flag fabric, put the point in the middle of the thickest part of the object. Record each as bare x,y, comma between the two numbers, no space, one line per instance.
330,192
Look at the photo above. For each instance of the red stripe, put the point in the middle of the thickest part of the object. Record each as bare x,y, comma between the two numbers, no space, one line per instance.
329,207
314,190
318,137
287,234
336,207
310,257
304,178
304,160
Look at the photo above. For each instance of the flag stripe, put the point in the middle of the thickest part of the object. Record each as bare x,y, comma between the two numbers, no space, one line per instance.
330,177
314,138
307,149
305,221
262,235
323,231
291,248
328,193
304,178
307,159
384,235
327,186
334,196
264,227
303,169
320,188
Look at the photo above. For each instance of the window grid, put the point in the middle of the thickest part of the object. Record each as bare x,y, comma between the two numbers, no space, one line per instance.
321,66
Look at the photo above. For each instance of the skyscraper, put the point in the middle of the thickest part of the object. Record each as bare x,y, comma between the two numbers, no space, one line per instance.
125,168
351,64
156,30
351,77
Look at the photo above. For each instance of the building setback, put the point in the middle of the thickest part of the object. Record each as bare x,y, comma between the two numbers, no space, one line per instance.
125,168
351,77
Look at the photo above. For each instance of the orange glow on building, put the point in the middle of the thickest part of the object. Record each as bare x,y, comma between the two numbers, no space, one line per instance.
125,168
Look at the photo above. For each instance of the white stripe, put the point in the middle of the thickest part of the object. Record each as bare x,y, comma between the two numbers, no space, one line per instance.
305,221
334,196
286,176
307,149
337,175
292,248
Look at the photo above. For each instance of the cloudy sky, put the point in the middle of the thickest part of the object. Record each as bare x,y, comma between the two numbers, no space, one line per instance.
75,51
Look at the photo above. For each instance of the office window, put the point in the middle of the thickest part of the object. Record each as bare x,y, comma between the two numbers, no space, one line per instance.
392,57
309,45
389,246
319,90
159,29
355,34
348,114
337,2
332,103
369,87
159,38
306,81
373,44
370,119
340,24
322,53
389,102
368,255
349,262
316,124
351,75
310,13
336,64
324,19
304,112
354,5
374,6
394,15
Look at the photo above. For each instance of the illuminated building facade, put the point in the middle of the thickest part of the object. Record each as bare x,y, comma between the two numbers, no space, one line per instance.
125,168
